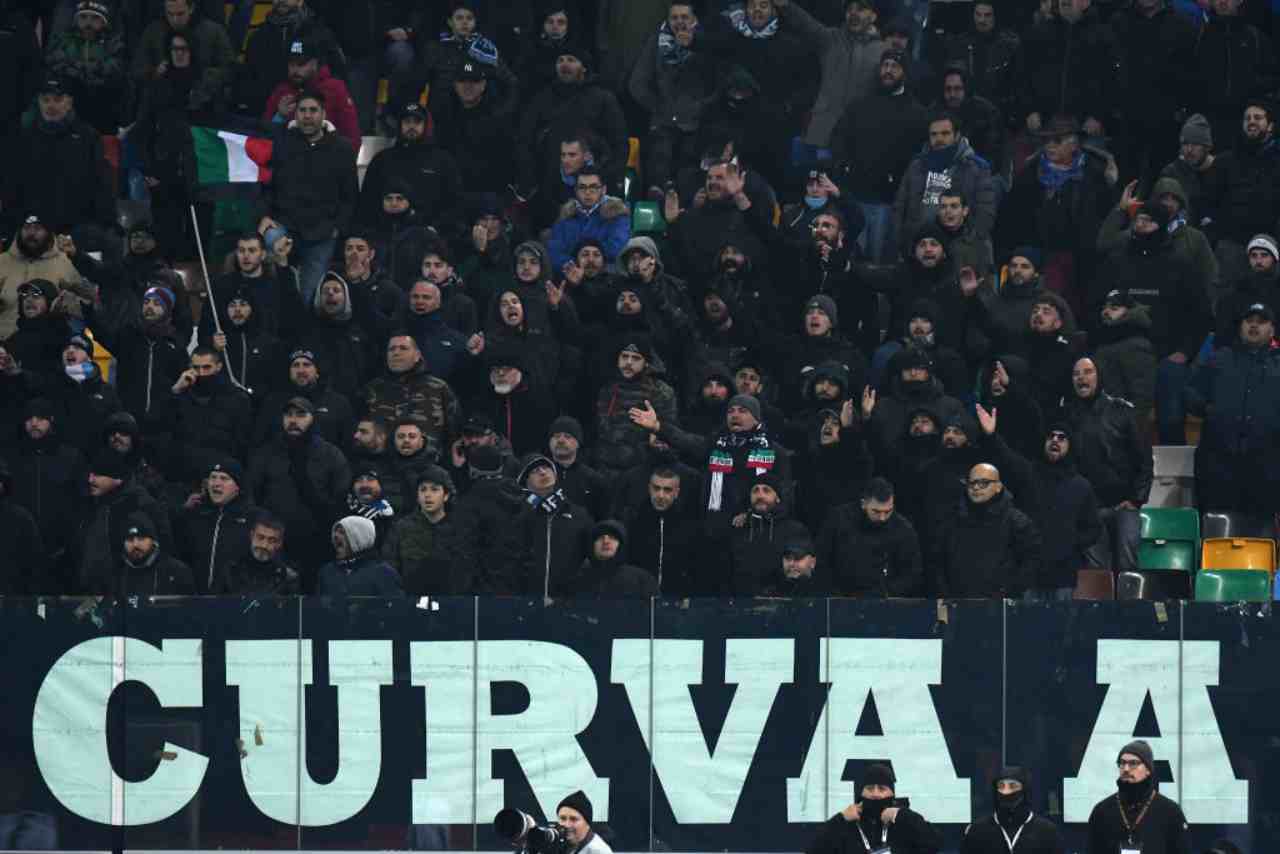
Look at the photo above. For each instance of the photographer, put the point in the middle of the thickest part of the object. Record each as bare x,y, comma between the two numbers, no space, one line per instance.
877,822
574,815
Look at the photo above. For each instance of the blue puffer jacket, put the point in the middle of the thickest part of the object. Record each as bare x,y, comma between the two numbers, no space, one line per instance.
1239,390
608,222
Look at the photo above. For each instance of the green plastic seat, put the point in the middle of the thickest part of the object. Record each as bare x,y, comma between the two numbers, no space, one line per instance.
1170,523
1155,555
646,218
1233,585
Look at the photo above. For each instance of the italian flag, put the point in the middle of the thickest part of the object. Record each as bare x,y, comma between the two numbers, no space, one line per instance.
223,157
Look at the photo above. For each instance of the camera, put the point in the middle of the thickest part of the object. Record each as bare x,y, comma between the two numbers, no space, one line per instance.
521,830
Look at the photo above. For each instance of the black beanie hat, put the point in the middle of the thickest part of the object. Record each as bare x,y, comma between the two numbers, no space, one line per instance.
111,464
231,468
566,424
1142,750
879,775
577,801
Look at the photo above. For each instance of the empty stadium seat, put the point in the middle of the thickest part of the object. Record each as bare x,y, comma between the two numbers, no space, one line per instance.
1170,523
1158,555
1095,585
1238,553
1233,586
1224,523
1153,586
646,218
1173,482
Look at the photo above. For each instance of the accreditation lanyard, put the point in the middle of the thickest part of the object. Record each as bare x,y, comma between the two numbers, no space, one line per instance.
1132,828
884,836
1014,841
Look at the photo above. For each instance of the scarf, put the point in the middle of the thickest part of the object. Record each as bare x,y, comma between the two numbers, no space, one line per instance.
1054,179
670,51
1179,220
760,459
737,17
941,159
476,46
548,504
381,507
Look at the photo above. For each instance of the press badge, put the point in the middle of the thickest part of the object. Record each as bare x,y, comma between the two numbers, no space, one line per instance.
1131,849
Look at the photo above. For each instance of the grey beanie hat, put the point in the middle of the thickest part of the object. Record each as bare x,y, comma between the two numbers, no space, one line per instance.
1196,131
747,402
824,304
1142,750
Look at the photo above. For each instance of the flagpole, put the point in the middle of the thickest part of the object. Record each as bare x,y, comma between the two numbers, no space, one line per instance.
208,289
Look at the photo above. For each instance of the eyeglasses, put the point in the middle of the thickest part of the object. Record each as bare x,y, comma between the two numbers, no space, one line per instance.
590,187
1128,763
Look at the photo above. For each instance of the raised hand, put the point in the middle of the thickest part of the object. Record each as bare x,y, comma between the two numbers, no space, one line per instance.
646,418
987,419
868,402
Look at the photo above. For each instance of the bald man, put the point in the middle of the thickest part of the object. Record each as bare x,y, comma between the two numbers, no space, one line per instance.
988,548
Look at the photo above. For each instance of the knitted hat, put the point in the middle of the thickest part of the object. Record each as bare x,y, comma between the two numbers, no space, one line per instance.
879,775
824,304
301,403
1196,131
361,533
83,343
1058,427
162,294
139,525
1264,241
303,354
1142,750
637,344
1258,308
579,802
566,424
41,287
618,531
485,459
435,474
231,468
108,463
95,7
747,402
1031,253
531,462
40,407
898,56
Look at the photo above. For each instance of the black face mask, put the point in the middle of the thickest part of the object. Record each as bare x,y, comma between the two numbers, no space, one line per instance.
1011,807
1132,793
872,807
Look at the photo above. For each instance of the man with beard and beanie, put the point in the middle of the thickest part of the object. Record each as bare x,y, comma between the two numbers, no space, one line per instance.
334,418
33,255
619,441
149,357
265,570
83,399
582,483
666,535
869,549
43,329
1245,196
1005,382
986,548
399,234
1195,168
408,389
948,162
212,418
433,546
1260,284
876,140
1239,390
547,540
114,496
47,478
606,574
25,569
215,525
365,499
356,569
909,385
925,323
848,57
1053,493
1051,349
827,387
1123,346
819,341
828,266
1111,450
1177,301
756,535
302,479
1137,817
63,174
1006,305
734,457
276,300
430,173
1013,826
92,55
520,403
877,821
342,345
121,434
728,213
140,566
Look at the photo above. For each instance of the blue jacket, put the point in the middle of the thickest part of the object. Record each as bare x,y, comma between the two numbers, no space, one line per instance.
610,223
1240,390
365,574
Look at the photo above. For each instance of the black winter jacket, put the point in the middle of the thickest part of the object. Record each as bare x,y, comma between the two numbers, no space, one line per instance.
866,560
1154,275
987,551
47,479
313,188
1162,831
1074,70
213,538
100,538
910,833
306,495
363,575
1110,448
755,550
544,551
63,175
427,170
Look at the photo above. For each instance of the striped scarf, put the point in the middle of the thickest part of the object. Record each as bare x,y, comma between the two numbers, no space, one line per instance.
760,459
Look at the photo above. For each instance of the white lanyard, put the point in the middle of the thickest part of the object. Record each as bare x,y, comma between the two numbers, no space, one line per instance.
884,835
1014,841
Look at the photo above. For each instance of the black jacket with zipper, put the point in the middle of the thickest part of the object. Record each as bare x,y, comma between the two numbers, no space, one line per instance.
212,538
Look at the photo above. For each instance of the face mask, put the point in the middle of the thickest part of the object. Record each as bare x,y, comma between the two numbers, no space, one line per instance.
80,372
1007,804
1134,792
872,807
923,342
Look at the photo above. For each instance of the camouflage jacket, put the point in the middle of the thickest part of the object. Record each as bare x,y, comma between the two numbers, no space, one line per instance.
95,64
415,394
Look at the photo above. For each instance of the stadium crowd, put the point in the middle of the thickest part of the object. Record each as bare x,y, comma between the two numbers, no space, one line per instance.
894,302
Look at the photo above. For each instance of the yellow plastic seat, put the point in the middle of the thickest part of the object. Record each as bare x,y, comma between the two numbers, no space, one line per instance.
1238,553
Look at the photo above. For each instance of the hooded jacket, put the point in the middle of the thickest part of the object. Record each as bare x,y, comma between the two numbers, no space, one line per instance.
46,478
1032,834
16,269
1109,446
304,482
987,551
429,171
333,413
919,193
1127,357
898,399
277,305
343,347
38,343
362,574
614,578
849,64
100,537
620,442
1050,356
159,574
24,569
870,560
